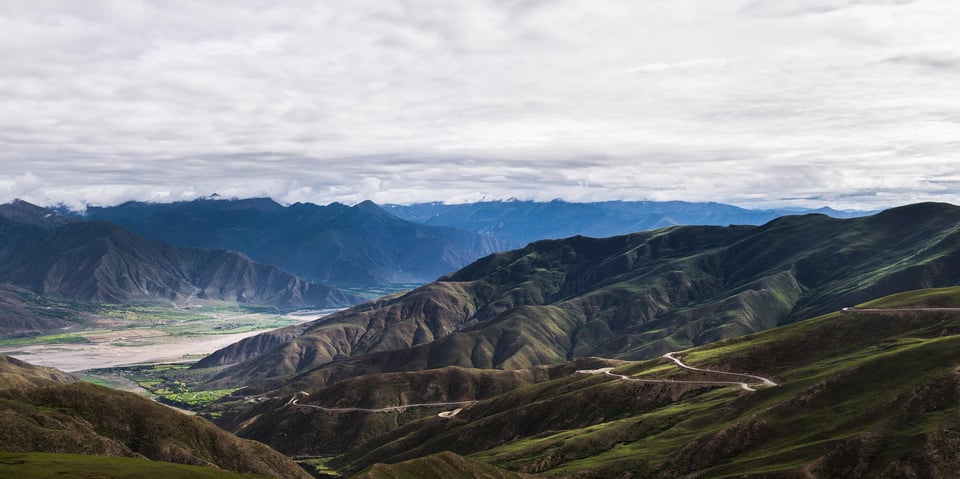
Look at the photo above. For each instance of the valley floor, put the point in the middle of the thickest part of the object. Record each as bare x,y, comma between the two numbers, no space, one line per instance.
78,357
115,343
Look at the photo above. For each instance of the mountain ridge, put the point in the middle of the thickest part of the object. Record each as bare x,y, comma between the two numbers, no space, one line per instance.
98,260
862,393
358,245
629,297
521,222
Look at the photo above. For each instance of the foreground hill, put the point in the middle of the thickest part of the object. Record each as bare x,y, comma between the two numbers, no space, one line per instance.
628,297
339,418
872,391
45,411
359,245
101,261
17,374
868,393
521,222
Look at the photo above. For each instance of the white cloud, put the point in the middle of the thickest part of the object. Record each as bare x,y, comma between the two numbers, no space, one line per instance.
748,101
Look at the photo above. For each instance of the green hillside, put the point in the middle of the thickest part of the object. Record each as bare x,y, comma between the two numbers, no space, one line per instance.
628,297
17,374
303,429
39,413
872,393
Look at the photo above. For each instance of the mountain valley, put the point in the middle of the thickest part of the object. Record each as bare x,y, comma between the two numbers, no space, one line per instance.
565,358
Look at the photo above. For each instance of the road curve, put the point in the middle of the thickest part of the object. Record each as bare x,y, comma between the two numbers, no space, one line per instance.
742,385
608,371
762,379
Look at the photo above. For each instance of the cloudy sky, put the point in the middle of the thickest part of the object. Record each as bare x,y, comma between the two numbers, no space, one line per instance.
850,103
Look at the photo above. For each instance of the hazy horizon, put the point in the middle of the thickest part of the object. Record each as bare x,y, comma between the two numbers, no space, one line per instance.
82,209
850,104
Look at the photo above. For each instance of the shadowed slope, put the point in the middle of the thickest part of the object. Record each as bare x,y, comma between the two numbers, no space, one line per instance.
359,245
38,414
628,297
101,261
337,418
860,394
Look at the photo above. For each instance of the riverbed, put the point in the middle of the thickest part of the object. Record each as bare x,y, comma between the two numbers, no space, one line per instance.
129,348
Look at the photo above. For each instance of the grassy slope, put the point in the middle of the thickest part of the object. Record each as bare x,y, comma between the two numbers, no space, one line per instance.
861,395
88,419
16,374
307,431
75,466
631,297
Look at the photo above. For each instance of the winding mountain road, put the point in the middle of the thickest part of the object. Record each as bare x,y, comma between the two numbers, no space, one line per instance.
608,371
765,381
743,385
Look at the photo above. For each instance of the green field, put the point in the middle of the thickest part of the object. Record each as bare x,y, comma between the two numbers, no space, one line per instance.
57,338
170,383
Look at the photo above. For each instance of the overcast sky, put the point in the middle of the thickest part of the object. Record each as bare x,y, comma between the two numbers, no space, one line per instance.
848,103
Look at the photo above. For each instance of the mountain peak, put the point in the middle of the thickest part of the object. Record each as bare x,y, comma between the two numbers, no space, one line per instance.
20,211
369,207
366,204
912,216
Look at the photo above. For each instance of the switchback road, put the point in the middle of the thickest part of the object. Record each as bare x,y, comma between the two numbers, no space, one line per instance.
743,385
608,371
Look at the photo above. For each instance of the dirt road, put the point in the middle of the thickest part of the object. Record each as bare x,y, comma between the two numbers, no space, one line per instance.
608,371
742,385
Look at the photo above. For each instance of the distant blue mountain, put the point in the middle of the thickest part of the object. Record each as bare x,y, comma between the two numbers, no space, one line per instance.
48,253
366,245
521,222
359,245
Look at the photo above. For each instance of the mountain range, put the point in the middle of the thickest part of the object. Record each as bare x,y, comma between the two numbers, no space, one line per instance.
47,253
628,297
367,244
521,222
344,245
